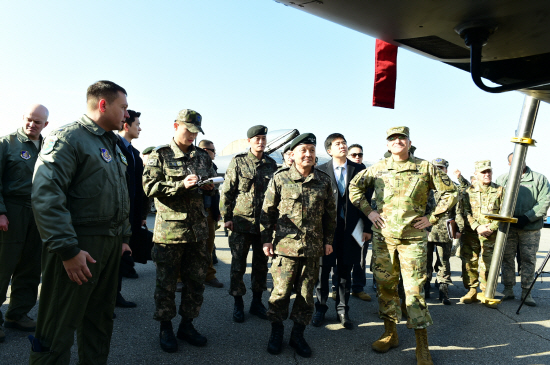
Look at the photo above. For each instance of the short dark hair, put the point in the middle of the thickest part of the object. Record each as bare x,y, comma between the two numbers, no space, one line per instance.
331,138
103,89
355,145
205,143
133,116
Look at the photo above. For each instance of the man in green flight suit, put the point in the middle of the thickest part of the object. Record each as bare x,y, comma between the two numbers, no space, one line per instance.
402,183
181,228
20,244
241,201
81,206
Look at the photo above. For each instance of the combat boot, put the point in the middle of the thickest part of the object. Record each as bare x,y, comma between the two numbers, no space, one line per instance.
528,301
238,310
298,342
275,344
427,287
389,338
508,292
423,356
187,332
444,294
470,297
404,313
168,342
2,335
256,307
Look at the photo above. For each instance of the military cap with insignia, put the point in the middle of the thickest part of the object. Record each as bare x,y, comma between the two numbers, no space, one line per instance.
148,150
483,165
257,130
191,119
440,162
304,138
398,130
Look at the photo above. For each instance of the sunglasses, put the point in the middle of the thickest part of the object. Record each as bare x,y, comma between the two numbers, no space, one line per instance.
354,155
210,149
399,136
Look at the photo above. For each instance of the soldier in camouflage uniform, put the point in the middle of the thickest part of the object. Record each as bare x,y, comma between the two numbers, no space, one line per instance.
300,208
531,207
479,232
402,183
287,158
181,228
439,238
19,237
241,200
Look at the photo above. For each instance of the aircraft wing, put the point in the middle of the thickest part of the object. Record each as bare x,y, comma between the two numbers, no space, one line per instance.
517,48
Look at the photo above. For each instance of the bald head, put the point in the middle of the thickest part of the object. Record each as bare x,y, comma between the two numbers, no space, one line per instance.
35,120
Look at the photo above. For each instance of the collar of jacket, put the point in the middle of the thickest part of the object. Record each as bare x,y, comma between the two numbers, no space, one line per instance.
490,189
410,164
255,159
22,137
296,176
178,153
527,175
94,128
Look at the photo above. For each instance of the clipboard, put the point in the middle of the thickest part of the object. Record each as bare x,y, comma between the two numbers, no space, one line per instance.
357,233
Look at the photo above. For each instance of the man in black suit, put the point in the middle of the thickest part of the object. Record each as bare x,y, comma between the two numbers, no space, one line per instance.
130,131
346,250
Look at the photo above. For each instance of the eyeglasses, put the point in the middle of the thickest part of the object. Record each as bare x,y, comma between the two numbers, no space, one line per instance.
355,155
401,137
209,149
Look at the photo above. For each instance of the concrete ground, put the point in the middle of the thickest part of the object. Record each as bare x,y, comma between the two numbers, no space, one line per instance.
461,334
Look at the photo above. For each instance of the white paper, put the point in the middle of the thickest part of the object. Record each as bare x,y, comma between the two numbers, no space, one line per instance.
217,180
358,233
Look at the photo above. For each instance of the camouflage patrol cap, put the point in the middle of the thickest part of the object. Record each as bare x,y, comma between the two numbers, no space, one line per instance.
483,165
304,138
191,119
440,162
257,130
398,130
148,150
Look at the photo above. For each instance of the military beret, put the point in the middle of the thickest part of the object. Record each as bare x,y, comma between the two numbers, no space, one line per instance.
440,162
191,119
257,130
483,165
398,130
287,148
148,150
304,138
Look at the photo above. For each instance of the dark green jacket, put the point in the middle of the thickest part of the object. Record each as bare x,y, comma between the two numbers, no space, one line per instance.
80,188
18,156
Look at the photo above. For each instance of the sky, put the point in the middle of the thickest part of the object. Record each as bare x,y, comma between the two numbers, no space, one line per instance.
246,62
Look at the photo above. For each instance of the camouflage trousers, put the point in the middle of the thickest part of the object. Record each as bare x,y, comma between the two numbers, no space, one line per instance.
477,254
443,262
392,257
240,244
528,246
191,259
285,271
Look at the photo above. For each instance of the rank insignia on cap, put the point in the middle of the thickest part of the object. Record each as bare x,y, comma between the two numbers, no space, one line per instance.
123,158
25,155
105,154
48,146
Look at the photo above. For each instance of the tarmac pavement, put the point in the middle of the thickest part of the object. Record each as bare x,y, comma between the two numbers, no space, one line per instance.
461,334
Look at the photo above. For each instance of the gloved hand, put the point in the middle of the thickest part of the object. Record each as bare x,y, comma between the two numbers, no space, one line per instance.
522,222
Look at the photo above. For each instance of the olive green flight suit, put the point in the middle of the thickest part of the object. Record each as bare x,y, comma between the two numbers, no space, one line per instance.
81,202
20,246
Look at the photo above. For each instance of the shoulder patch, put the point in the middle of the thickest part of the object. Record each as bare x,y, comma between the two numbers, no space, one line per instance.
152,162
160,147
49,144
445,179
123,158
243,154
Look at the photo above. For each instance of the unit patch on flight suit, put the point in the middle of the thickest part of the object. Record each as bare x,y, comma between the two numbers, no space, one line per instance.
106,156
25,155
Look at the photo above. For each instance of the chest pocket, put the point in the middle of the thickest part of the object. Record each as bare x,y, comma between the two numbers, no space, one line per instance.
492,204
290,201
175,173
387,186
417,189
246,179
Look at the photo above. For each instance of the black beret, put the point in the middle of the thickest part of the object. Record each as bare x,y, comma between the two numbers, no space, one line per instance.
148,150
304,138
257,130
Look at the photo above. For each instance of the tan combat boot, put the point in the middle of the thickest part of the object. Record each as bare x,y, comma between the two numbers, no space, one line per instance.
388,340
470,297
423,356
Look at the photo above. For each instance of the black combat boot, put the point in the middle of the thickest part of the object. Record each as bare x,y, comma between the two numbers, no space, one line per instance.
427,288
187,332
238,310
168,341
298,341
256,307
444,294
275,344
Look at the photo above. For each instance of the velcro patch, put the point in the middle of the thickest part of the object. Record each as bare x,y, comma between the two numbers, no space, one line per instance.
152,162
49,144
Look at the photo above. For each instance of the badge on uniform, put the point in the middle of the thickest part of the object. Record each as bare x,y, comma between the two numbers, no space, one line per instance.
152,162
123,158
105,154
25,155
49,144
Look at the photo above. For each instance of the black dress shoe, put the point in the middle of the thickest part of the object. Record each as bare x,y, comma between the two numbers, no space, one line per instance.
345,321
238,313
123,303
168,342
318,319
187,332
